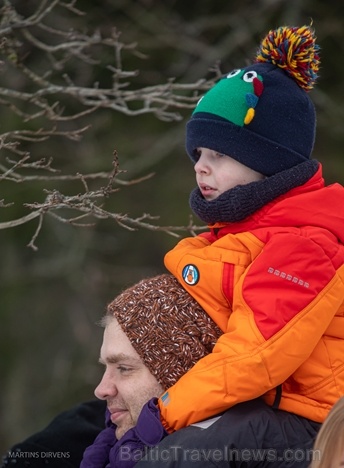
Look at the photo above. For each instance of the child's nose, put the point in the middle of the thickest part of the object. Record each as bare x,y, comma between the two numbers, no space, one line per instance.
201,166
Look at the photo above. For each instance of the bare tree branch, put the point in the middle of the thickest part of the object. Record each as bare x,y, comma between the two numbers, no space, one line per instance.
86,205
51,99
46,100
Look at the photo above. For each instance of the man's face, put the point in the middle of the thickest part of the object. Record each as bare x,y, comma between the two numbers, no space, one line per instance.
127,384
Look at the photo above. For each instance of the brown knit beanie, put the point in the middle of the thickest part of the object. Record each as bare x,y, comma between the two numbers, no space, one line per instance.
165,325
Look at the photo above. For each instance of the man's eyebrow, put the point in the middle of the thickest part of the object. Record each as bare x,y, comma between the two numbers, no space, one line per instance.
121,357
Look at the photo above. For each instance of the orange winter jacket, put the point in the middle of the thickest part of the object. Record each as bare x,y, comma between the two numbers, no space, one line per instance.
274,284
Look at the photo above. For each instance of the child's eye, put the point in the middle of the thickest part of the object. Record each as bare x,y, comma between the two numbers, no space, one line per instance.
123,369
220,155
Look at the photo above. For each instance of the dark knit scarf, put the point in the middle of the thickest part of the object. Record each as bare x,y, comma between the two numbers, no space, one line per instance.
242,201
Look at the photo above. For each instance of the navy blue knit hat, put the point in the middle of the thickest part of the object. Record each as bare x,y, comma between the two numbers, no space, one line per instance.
262,115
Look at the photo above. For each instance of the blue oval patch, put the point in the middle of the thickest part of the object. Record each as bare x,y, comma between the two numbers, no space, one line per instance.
190,274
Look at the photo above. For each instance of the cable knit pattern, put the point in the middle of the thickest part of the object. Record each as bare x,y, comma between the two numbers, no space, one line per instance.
242,201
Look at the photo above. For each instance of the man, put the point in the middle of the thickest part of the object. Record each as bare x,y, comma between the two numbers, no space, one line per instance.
154,332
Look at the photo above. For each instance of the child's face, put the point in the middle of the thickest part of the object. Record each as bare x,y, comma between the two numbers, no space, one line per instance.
216,173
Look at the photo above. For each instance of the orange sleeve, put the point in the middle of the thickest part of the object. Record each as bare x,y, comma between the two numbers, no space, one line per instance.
282,305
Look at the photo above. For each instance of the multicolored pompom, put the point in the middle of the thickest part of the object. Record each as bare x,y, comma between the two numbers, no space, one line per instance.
294,50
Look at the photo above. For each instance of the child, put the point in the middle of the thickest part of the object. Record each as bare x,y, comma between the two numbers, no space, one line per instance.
270,271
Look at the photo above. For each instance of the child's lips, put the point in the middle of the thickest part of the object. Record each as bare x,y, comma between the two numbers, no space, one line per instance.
206,190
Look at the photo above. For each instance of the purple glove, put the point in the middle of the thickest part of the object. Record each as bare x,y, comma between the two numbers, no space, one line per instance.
97,454
148,432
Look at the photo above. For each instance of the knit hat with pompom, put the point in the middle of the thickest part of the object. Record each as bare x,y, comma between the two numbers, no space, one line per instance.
262,115
165,325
